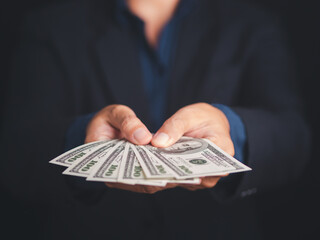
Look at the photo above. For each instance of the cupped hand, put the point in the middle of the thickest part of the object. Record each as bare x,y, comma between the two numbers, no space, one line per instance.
199,120
117,121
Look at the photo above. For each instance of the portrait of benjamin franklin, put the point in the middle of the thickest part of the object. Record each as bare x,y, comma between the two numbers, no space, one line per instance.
185,146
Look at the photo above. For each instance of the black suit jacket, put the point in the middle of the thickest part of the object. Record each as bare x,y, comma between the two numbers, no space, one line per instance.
74,59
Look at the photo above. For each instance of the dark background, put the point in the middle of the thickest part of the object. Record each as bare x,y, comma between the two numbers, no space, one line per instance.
290,213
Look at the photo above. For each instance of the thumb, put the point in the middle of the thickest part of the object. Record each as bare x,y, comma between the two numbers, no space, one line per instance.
117,121
129,125
173,128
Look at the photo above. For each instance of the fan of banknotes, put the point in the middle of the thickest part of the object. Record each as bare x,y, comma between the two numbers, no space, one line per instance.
121,161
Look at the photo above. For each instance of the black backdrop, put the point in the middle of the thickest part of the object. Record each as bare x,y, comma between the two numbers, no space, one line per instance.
290,213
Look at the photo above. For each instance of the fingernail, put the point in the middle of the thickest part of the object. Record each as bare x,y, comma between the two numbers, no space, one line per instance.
140,135
161,139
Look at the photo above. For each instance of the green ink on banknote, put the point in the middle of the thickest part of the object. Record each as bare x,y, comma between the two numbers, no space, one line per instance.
76,157
137,171
198,161
111,170
161,169
89,165
184,168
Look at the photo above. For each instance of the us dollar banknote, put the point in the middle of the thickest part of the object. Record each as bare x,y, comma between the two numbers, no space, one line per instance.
82,167
152,166
68,158
185,162
107,170
131,172
195,157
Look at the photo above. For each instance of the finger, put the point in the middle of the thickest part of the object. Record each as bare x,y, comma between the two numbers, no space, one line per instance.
206,182
150,189
209,182
171,185
154,189
127,187
174,127
124,119
119,186
192,187
135,188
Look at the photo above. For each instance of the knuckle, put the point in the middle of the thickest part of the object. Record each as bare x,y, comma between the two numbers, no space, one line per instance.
117,109
111,109
189,111
128,123
176,123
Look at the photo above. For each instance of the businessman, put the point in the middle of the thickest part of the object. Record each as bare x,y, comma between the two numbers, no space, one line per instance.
93,70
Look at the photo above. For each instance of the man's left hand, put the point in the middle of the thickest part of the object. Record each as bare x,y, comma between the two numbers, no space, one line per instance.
199,120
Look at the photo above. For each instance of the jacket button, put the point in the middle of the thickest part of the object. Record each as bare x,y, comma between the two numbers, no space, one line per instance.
248,192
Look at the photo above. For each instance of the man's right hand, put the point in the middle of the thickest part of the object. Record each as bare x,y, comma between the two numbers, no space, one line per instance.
117,121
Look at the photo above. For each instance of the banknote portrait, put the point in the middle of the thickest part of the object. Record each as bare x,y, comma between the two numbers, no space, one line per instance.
185,146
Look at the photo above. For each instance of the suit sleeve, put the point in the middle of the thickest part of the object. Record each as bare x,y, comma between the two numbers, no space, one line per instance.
278,138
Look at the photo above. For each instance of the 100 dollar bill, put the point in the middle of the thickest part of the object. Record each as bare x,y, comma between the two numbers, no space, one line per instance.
152,166
68,158
131,171
194,157
107,170
83,167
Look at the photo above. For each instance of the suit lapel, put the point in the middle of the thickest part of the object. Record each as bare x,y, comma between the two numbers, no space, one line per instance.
194,48
120,65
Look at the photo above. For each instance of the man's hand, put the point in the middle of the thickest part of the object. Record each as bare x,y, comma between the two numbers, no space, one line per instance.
199,120
117,121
